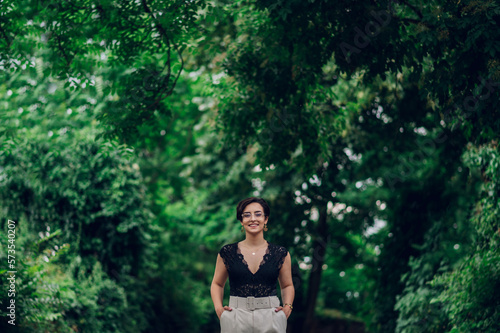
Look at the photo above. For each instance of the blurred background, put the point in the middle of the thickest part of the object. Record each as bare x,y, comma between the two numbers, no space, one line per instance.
129,131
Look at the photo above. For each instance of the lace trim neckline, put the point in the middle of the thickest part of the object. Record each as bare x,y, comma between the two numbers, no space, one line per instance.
262,262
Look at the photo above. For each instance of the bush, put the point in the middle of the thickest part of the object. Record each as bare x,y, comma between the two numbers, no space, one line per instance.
470,293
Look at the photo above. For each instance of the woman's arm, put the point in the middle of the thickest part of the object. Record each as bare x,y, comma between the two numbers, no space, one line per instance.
217,288
286,284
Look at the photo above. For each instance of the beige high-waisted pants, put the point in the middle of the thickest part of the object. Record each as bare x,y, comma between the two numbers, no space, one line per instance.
253,315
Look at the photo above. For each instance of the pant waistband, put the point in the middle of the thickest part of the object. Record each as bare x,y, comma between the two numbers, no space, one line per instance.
251,303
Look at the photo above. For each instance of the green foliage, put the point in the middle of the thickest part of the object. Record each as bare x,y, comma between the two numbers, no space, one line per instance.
469,292
359,154
52,296
92,193
79,207
133,50
472,305
416,311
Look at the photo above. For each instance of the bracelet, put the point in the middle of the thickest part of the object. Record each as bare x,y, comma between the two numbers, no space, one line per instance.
290,305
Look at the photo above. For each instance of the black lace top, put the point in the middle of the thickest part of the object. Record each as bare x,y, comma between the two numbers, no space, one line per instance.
242,282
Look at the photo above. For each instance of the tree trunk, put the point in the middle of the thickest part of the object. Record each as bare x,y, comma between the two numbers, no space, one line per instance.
318,258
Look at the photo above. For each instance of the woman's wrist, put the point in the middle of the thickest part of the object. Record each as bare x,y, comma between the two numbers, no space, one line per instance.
290,305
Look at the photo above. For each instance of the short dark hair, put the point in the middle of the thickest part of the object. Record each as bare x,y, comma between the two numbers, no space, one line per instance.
245,202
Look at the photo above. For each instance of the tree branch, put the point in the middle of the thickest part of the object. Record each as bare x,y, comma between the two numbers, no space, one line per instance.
415,9
180,70
412,20
164,35
158,26
61,49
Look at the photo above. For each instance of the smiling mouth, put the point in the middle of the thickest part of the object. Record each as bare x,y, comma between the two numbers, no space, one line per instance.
253,225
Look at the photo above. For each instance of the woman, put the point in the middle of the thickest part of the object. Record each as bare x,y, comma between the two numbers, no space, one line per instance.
253,266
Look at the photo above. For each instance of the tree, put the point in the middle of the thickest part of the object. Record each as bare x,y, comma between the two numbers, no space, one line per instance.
364,117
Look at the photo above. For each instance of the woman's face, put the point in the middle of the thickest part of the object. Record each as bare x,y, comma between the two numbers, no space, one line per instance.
253,218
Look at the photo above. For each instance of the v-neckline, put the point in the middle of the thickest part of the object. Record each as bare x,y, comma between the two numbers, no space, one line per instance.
238,251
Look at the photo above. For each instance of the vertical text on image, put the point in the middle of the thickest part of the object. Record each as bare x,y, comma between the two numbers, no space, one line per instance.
11,264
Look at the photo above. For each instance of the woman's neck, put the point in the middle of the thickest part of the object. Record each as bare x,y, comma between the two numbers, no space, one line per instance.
254,241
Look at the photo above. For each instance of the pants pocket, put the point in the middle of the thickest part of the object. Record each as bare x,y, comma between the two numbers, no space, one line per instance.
225,324
284,315
279,321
